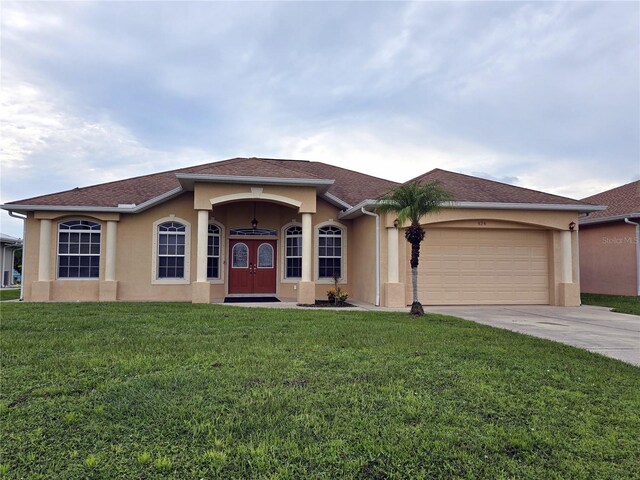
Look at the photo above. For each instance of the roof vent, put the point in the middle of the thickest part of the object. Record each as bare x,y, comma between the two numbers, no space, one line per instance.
126,205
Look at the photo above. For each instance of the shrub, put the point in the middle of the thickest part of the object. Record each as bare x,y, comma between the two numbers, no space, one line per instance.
337,296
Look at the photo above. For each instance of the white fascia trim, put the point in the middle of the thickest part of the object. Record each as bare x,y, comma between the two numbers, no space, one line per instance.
120,209
336,201
526,206
188,179
355,211
591,221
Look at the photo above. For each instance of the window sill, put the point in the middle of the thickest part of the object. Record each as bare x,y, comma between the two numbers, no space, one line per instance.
82,279
329,281
170,281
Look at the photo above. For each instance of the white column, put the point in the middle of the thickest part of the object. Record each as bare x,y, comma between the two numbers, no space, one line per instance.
392,256
203,237
566,269
45,251
110,255
307,253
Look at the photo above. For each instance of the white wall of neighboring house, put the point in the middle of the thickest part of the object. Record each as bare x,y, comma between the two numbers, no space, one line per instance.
8,245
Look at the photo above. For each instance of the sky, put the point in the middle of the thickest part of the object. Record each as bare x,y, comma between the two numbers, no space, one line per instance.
542,95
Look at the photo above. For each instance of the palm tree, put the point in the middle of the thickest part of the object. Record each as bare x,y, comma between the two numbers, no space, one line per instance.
411,202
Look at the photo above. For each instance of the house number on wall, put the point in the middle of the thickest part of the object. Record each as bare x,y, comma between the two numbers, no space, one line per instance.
481,222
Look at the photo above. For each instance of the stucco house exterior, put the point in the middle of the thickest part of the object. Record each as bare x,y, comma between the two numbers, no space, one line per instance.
609,243
8,246
255,226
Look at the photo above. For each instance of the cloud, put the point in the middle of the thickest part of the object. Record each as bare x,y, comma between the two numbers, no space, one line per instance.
48,148
545,94
506,179
400,151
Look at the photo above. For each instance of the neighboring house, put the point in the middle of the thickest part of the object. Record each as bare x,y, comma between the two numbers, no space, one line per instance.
609,245
8,247
252,226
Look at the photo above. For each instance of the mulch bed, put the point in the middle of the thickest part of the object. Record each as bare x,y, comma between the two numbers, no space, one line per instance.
326,304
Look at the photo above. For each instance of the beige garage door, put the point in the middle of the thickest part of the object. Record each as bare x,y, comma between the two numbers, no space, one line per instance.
468,266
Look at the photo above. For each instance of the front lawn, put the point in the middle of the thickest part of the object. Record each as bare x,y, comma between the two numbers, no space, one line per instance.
200,391
617,303
12,294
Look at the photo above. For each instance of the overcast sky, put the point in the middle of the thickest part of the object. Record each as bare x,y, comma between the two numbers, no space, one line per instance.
542,95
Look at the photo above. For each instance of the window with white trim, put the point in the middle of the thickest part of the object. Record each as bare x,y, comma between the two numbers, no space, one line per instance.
293,252
171,250
213,252
79,249
329,251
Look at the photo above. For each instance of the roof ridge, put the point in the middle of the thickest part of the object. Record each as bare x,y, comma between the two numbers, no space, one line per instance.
128,179
360,173
113,182
333,166
613,189
146,175
425,174
273,160
497,182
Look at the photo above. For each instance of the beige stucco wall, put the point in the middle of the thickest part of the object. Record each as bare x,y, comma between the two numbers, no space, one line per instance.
531,218
31,246
328,213
134,252
61,290
608,260
363,235
205,193
135,235
484,219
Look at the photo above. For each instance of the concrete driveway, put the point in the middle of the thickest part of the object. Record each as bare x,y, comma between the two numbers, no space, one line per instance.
615,335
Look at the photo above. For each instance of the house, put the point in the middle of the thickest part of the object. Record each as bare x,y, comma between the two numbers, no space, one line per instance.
609,243
8,247
256,226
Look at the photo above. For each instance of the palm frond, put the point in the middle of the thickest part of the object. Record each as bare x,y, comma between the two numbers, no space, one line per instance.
412,201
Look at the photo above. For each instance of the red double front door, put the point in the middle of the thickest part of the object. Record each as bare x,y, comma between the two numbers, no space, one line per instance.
252,266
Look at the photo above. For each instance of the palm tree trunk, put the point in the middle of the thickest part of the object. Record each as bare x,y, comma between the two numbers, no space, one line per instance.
416,306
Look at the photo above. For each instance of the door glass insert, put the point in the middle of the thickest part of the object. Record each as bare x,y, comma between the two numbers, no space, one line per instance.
265,256
240,256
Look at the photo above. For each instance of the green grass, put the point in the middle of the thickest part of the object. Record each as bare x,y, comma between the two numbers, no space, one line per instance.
9,295
201,391
618,303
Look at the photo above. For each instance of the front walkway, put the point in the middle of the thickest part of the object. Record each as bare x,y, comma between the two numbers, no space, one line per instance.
596,329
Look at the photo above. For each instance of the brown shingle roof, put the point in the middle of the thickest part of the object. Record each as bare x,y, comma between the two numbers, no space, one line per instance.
351,187
621,200
466,188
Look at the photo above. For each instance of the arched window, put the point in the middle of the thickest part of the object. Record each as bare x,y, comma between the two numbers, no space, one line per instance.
330,252
171,250
293,252
265,256
240,256
213,252
79,249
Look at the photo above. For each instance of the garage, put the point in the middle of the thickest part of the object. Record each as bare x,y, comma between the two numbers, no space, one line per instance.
461,266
